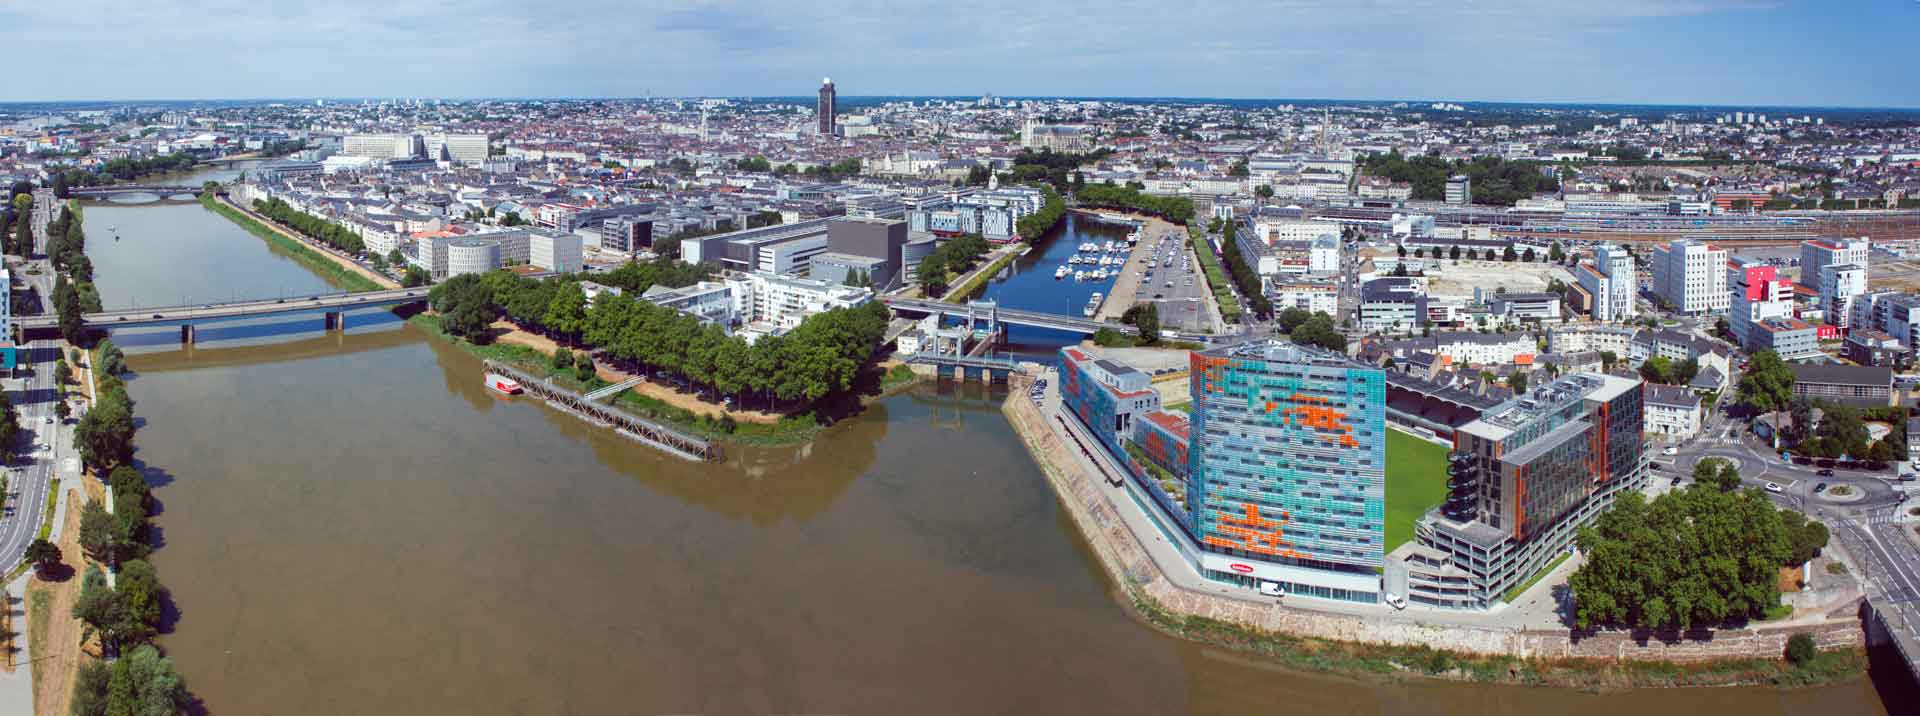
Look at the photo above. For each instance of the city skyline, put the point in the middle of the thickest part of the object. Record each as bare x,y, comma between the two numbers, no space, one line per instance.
1697,53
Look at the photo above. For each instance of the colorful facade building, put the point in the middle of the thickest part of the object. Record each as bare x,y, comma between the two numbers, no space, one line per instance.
1162,436
1287,469
1109,398
1522,480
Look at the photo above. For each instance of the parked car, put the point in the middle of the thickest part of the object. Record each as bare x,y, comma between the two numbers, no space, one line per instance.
1271,589
1396,601
1775,487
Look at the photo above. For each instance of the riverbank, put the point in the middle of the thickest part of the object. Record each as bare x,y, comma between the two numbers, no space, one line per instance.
1391,646
705,420
334,269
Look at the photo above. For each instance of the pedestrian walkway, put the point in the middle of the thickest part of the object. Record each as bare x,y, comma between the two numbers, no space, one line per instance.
16,689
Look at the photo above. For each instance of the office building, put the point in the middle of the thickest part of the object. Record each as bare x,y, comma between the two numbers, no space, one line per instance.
1859,386
464,149
824,108
381,146
781,248
1866,346
1522,479
1459,190
1817,254
554,250
471,256
1287,469
1690,277
1756,296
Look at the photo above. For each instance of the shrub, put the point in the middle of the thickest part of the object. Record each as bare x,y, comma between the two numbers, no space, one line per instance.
1800,648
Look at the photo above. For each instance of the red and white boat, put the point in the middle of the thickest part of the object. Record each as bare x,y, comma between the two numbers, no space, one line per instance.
502,384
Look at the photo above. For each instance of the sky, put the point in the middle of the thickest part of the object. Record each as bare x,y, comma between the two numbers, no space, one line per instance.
1729,52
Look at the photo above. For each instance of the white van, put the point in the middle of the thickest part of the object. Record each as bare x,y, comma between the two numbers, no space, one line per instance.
1271,589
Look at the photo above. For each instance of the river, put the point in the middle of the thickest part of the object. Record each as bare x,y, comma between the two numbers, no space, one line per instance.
351,524
1028,283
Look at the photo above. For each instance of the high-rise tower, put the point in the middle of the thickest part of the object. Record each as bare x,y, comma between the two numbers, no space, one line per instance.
824,108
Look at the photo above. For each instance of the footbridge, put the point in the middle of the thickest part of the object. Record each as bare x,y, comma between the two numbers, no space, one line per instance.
994,315
333,306
990,370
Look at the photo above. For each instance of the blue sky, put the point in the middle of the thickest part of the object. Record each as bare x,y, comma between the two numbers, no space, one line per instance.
1843,52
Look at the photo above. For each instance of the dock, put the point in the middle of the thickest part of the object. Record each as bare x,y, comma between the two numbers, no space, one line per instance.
633,427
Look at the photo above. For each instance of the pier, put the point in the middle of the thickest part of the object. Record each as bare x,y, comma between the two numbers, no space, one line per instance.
669,440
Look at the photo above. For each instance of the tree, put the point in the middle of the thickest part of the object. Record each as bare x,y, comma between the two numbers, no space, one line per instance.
1454,253
1607,359
96,531
1293,317
562,359
1800,648
9,422
61,373
567,312
1518,382
1717,473
43,554
1148,321
466,308
1509,255
932,275
1767,383
1690,557
1528,255
112,361
90,689
105,431
1555,253
1656,369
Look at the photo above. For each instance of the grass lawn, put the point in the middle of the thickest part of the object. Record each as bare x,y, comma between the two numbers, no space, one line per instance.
1184,406
1416,482
1522,587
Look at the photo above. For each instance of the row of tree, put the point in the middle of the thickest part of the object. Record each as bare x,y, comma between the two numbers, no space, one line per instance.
1698,557
1035,225
127,614
1661,369
1177,209
73,291
1243,274
953,256
816,361
19,241
314,227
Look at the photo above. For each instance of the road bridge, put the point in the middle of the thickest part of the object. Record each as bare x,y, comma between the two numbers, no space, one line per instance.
163,191
333,306
994,315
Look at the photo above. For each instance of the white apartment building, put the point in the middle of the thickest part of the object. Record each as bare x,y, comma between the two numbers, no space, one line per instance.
1483,348
1311,296
771,304
1840,284
1672,411
1818,254
1690,277
1616,266
1771,300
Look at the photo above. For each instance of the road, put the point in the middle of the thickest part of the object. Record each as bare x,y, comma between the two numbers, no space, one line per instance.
33,395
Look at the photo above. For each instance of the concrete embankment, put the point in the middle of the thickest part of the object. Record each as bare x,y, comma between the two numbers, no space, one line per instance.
1606,658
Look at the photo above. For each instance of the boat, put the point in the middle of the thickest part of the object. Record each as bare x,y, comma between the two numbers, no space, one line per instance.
502,384
1059,273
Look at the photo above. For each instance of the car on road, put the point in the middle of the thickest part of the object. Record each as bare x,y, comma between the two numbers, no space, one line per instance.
1775,487
1396,601
156,315
1825,473
1671,450
1820,488
1676,481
